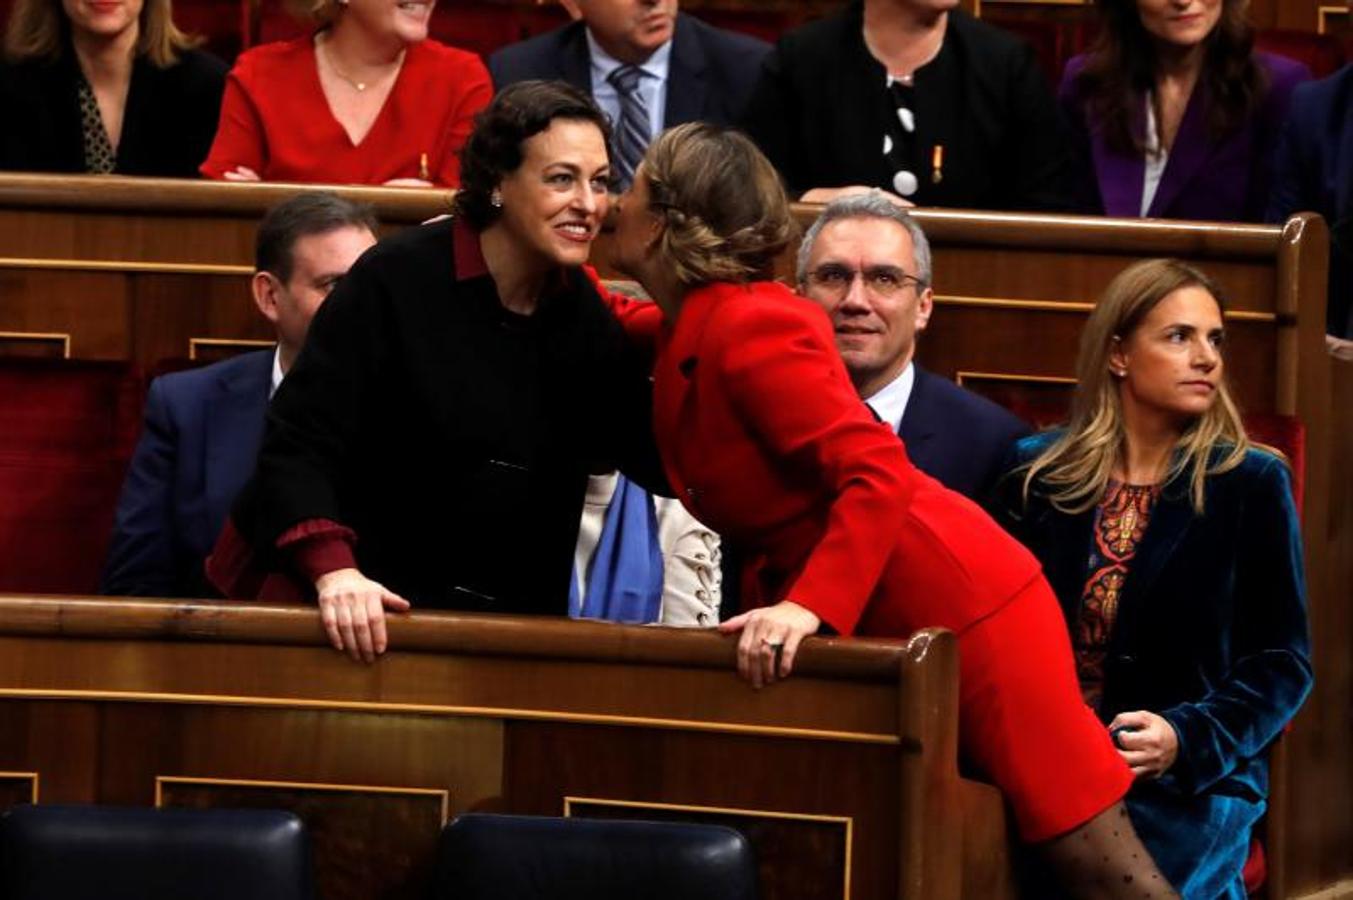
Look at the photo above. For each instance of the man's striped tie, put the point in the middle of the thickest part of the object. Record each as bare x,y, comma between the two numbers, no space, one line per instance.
632,132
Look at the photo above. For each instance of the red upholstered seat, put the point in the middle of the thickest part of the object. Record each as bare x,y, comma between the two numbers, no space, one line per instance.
68,406
1255,872
1044,37
767,24
67,429
1323,53
485,28
216,21
1288,435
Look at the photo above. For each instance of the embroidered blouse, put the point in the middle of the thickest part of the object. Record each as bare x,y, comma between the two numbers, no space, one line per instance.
1120,521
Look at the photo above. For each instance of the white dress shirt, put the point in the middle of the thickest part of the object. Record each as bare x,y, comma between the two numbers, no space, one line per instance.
1156,159
277,372
653,85
890,401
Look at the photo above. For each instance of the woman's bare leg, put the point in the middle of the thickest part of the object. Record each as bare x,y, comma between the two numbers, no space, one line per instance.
1105,860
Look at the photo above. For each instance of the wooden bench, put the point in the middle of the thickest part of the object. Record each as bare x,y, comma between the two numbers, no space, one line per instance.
844,777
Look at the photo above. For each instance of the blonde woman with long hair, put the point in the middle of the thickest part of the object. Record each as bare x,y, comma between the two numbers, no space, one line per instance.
105,86
1172,543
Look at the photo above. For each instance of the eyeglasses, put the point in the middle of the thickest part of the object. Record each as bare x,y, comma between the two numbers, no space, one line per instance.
881,281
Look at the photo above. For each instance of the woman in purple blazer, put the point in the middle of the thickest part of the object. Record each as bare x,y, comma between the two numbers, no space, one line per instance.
1179,115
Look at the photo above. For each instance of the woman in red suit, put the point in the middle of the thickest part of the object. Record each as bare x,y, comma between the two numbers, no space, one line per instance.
366,99
765,439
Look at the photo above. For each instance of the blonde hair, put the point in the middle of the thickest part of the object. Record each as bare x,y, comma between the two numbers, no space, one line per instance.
727,217
36,28
1077,467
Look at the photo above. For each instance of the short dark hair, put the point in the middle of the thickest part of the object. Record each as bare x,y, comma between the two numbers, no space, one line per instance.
310,213
494,149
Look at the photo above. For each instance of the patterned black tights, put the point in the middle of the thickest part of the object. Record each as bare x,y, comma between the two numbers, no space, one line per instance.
1105,860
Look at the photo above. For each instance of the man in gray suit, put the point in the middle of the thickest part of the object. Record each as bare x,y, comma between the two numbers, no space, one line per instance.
648,66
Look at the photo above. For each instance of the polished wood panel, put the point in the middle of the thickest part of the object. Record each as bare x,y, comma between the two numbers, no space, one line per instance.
17,788
34,345
202,704
374,842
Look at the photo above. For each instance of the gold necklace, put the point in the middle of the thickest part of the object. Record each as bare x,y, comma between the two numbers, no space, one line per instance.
361,86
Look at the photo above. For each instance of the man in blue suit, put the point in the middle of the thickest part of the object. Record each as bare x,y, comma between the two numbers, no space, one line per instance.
648,66
203,427
868,264
1313,170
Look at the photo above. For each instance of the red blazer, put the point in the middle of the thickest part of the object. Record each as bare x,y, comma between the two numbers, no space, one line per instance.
765,440
275,118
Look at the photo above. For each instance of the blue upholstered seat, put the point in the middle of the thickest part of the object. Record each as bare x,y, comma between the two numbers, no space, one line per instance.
535,858
125,853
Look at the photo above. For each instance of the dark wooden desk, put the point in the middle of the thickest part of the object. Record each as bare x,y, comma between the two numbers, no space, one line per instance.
844,777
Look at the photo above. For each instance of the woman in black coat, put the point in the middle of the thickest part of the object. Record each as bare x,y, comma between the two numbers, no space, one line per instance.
918,99
432,443
105,87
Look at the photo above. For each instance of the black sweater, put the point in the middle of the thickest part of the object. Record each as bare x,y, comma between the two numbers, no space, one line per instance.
454,437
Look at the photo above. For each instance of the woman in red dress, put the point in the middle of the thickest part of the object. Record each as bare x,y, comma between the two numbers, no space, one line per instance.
366,99
765,439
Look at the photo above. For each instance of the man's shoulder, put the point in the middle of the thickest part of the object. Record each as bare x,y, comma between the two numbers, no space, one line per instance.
200,378
958,405
1324,99
733,45
541,56
182,395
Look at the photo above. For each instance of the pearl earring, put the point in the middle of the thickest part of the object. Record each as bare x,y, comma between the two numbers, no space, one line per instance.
496,200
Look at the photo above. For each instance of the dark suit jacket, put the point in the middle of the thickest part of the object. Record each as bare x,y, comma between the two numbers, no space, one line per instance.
956,437
1211,635
197,449
1224,179
167,128
710,79
1313,171
819,110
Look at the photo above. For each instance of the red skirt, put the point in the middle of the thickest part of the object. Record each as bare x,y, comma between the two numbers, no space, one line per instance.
1023,723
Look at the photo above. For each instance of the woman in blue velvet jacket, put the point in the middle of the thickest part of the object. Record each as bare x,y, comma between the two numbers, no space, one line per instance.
1173,546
